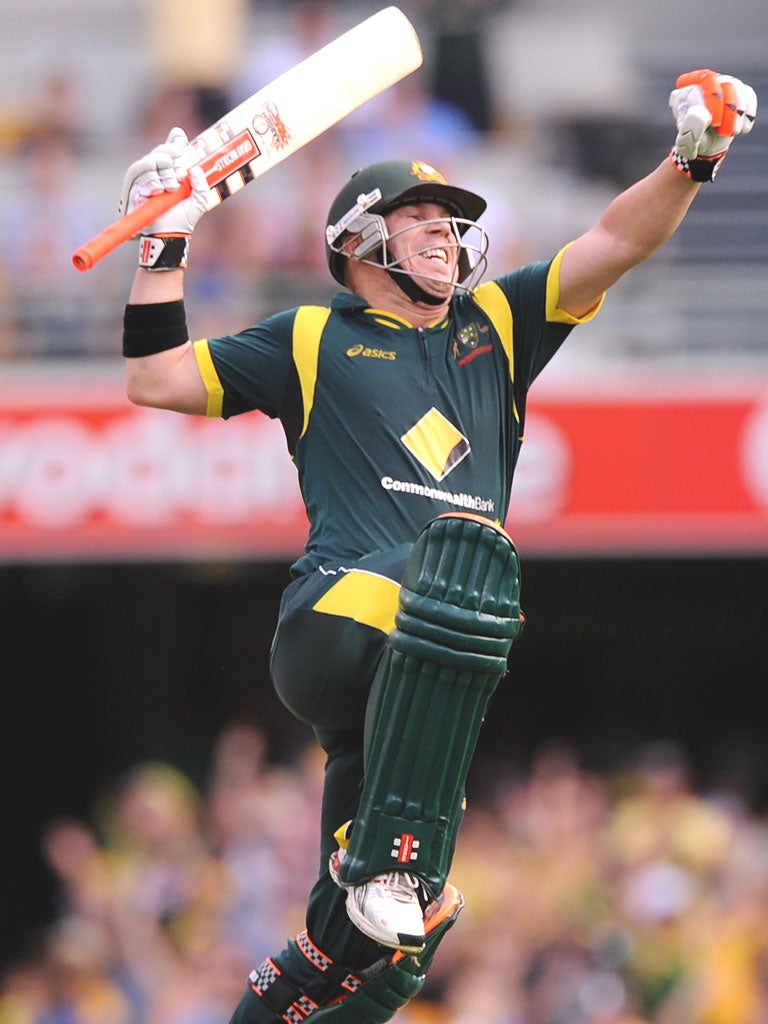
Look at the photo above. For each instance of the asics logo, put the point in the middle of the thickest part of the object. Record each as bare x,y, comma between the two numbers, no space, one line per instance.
370,353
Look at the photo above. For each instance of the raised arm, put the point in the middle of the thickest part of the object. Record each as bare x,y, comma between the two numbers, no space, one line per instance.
710,111
160,365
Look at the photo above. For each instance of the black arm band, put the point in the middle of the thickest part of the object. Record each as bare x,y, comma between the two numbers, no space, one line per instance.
154,327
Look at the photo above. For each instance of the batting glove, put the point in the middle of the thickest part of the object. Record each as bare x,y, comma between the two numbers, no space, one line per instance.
164,244
710,110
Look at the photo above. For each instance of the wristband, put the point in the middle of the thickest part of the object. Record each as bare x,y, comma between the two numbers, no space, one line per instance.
700,169
154,327
163,252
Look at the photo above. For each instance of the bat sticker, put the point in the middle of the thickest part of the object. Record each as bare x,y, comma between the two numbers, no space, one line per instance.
269,123
239,151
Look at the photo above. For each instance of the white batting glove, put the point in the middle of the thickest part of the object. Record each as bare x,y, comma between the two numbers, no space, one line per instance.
710,110
165,242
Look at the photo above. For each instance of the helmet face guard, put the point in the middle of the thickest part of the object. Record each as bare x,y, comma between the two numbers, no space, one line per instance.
359,210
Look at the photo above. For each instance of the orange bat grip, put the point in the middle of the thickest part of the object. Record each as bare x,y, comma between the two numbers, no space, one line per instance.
126,227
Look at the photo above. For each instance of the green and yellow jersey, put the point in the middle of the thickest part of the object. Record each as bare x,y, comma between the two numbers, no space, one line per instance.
390,425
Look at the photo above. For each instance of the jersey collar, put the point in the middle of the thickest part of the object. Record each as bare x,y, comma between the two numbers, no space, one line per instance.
347,302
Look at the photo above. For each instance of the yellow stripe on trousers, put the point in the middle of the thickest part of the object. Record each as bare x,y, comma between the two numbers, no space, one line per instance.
363,596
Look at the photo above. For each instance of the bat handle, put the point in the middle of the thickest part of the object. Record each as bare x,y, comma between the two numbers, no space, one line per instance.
126,227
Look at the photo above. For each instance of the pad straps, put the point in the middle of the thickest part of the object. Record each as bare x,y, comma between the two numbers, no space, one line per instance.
284,998
370,996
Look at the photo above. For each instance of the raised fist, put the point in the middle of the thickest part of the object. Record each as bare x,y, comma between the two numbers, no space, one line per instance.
710,110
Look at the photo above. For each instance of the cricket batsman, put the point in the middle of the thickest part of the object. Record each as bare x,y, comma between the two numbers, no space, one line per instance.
403,405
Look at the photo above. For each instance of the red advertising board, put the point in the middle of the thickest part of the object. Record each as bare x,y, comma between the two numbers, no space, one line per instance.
86,476
677,469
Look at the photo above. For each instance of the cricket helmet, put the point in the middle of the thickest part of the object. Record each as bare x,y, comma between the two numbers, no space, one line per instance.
374,191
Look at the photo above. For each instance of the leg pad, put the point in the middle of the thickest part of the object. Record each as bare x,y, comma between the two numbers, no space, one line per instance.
458,615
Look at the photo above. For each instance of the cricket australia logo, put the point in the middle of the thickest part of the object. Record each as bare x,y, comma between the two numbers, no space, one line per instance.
466,344
467,338
405,848
436,443
426,172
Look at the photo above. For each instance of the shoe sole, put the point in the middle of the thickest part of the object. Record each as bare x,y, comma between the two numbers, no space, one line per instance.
439,912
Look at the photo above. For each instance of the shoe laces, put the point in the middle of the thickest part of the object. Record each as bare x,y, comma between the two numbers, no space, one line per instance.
401,884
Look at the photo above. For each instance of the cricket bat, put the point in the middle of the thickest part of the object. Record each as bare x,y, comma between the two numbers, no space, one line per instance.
279,119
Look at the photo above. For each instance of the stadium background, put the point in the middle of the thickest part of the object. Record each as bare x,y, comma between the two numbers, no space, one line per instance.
646,609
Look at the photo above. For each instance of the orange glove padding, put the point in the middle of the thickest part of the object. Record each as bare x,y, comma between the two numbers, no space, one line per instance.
710,111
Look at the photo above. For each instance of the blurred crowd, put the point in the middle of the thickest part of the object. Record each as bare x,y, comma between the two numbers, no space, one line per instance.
60,176
612,897
540,146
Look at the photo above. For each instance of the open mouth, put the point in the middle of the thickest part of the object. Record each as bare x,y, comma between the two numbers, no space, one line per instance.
436,254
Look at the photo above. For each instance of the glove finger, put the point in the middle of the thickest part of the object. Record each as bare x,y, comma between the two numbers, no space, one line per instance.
199,184
692,127
198,179
144,187
681,100
702,76
744,103
705,89
177,145
169,158
177,137
730,113
749,102
173,145
137,175
166,171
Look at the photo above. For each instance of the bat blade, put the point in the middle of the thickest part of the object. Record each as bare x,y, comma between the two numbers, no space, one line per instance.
279,119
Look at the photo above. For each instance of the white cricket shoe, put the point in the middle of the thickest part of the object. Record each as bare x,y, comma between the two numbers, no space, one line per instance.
387,909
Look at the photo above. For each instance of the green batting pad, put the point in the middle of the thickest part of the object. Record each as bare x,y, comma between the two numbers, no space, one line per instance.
458,615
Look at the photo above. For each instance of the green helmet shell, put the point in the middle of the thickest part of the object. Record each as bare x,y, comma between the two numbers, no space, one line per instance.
400,182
